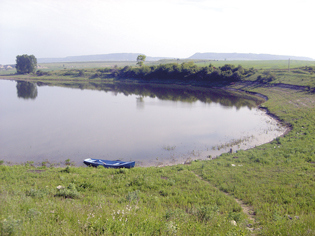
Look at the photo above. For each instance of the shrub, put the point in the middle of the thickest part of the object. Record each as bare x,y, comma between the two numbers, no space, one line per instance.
81,73
205,213
133,196
69,192
10,226
36,193
237,216
41,73
33,213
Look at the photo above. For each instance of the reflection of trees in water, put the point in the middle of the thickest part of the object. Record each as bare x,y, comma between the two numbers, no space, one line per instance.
173,93
164,92
26,90
140,102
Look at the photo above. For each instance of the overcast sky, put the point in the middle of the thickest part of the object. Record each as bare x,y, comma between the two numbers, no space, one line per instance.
172,28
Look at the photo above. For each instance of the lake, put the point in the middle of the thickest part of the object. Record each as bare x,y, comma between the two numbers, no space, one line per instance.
150,124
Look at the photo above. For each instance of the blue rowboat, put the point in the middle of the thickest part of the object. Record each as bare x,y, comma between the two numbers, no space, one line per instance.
109,164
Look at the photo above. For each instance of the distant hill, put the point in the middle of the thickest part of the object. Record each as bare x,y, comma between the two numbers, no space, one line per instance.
99,57
244,56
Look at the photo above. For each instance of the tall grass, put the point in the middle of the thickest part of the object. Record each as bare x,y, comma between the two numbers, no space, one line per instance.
90,201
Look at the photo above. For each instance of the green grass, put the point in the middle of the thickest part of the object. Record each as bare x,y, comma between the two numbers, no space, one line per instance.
89,201
264,64
84,65
295,77
7,72
273,64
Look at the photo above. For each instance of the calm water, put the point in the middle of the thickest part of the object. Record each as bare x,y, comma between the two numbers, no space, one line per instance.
151,125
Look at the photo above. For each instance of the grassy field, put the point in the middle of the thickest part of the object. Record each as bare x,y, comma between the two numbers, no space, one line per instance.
269,65
267,190
247,64
264,64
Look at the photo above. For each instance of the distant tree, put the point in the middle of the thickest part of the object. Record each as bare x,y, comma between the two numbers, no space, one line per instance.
81,73
41,73
188,68
26,64
227,67
140,59
236,76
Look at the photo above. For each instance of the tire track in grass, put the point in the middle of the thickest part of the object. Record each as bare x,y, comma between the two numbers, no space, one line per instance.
246,209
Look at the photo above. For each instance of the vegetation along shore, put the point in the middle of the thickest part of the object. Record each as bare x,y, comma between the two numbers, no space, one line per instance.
266,190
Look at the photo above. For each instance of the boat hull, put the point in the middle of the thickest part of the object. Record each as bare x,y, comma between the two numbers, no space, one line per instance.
108,163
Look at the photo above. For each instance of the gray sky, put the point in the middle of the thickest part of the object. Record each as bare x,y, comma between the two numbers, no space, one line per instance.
172,28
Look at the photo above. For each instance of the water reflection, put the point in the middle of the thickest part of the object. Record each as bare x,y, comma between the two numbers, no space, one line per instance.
150,124
140,102
26,90
187,94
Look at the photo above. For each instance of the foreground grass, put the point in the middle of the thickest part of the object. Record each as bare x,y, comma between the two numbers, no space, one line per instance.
93,201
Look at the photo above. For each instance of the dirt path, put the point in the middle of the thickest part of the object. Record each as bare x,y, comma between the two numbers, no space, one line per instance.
246,209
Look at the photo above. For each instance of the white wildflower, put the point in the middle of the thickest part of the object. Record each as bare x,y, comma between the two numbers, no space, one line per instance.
60,187
233,222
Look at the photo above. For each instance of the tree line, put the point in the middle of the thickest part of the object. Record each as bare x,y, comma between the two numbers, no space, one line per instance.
186,71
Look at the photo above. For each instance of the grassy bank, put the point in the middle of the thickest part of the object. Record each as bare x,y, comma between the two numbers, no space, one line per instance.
275,181
90,201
